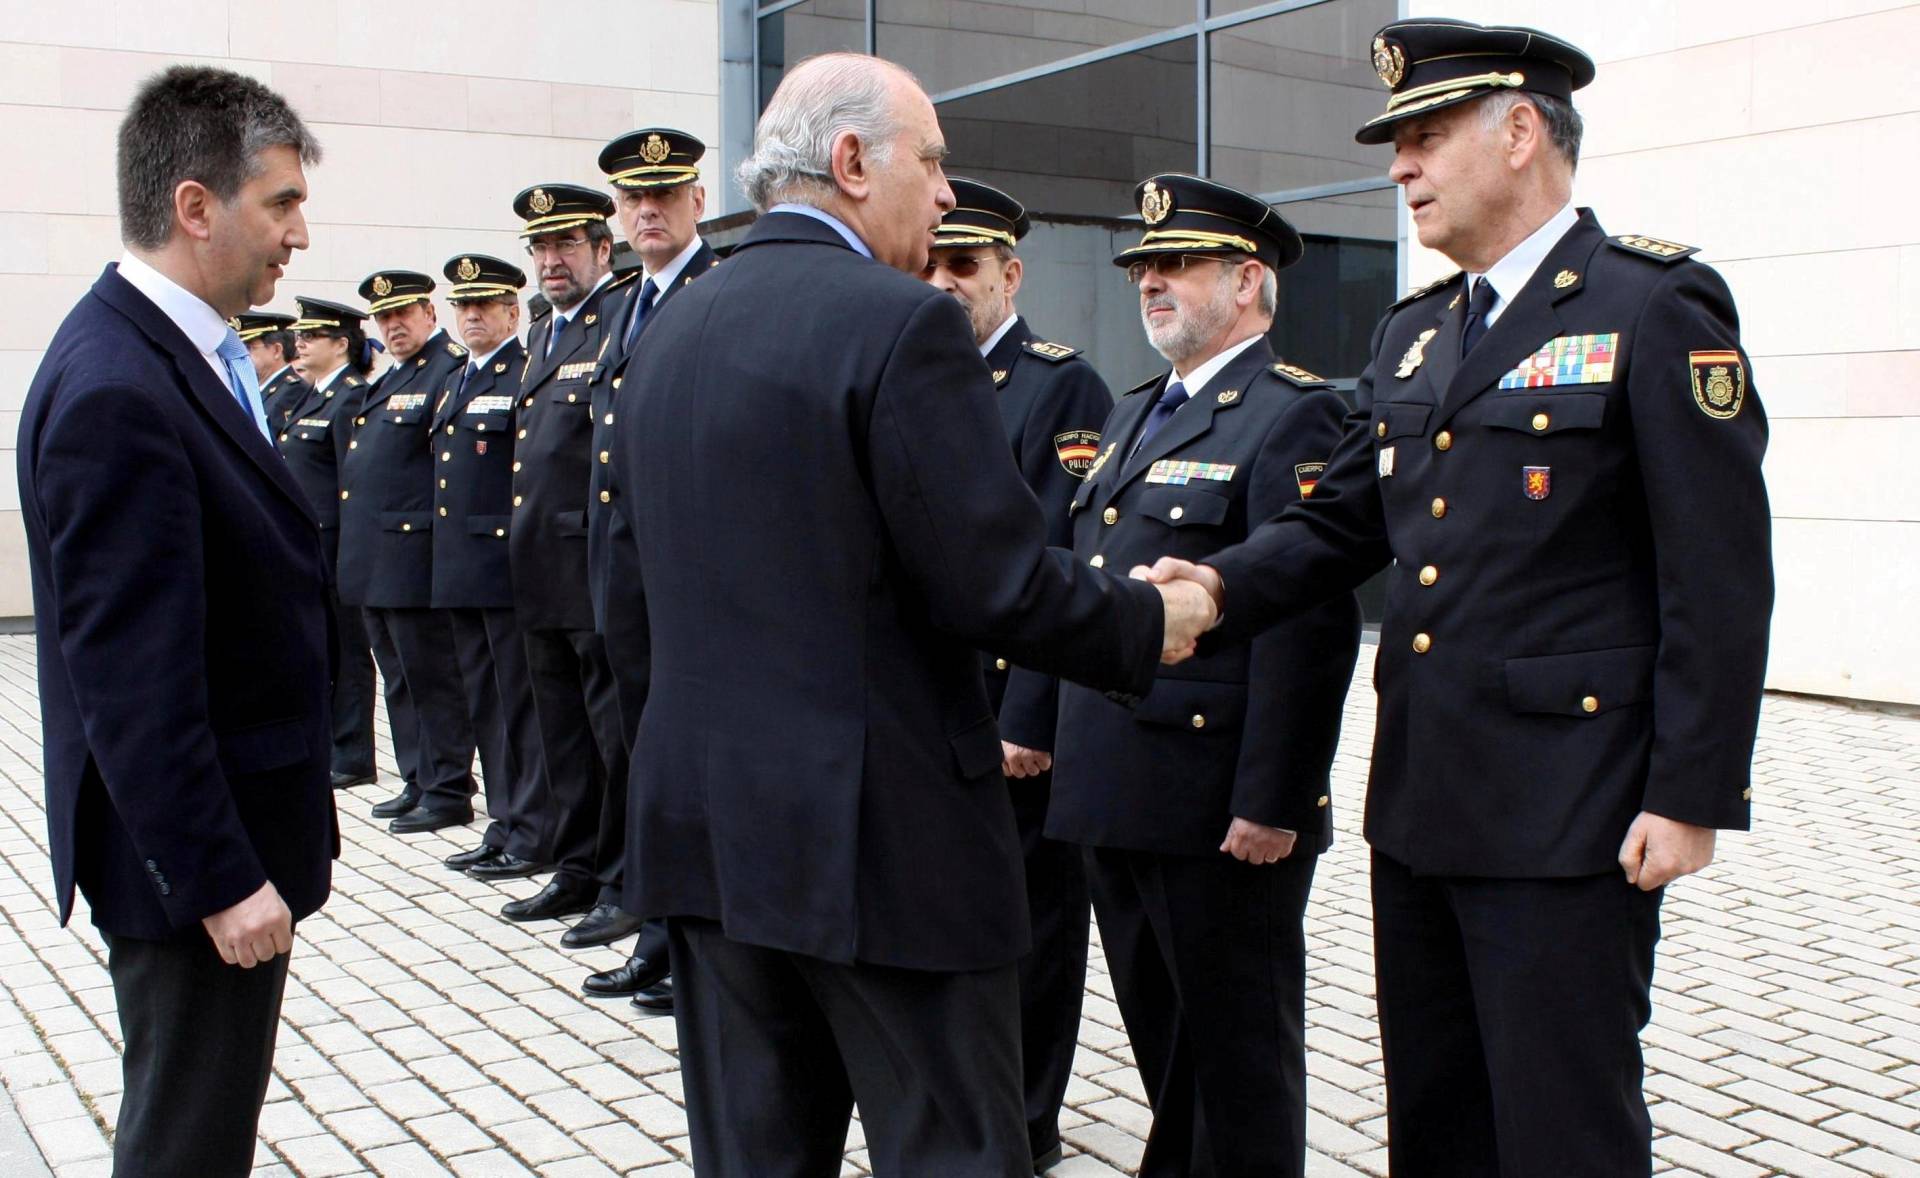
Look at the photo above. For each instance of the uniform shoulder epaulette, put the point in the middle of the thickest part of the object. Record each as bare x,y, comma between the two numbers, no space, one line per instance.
1426,290
621,281
1050,351
1298,377
1652,247
1144,385
455,350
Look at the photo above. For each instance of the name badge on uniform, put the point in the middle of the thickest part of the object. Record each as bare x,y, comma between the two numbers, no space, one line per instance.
1566,360
1386,461
490,404
1180,472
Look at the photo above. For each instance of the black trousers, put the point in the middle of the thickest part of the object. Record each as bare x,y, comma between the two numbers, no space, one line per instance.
1208,961
352,692
1053,975
493,668
578,707
775,1049
1510,1018
199,1050
401,717
422,640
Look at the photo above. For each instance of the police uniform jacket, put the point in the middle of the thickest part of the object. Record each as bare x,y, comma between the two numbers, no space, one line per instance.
607,378
1248,729
832,529
388,465
181,608
1576,617
281,395
548,539
1051,405
306,440
473,428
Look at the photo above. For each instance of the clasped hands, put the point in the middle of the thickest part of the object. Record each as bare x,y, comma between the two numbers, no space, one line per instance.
1191,595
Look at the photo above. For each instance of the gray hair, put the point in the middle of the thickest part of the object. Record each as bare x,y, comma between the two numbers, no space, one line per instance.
819,100
198,123
1269,282
1563,123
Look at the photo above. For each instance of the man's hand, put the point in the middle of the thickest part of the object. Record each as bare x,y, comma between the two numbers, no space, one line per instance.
1172,568
1659,850
1016,761
1250,842
1190,612
257,929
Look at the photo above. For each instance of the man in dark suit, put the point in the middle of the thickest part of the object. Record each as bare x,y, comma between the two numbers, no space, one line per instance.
180,603
1051,405
1561,457
269,343
817,803
574,696
387,466
1204,809
331,345
473,508
655,175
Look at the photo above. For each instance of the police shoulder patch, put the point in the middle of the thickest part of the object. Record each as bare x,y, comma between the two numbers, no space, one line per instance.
1306,475
1719,382
1426,290
1077,448
1050,351
1299,377
1652,247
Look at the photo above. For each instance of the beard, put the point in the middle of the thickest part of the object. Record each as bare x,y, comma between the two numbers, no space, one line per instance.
987,315
1193,325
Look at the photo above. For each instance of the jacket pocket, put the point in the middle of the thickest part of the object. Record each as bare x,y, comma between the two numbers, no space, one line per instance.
1397,419
1586,683
976,748
1545,413
1183,507
570,523
489,525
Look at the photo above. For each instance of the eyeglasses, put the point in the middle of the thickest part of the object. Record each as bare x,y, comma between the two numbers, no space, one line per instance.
1167,265
565,245
959,265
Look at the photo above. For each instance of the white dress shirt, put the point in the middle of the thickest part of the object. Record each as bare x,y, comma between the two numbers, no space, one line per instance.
1197,380
1510,274
200,323
999,333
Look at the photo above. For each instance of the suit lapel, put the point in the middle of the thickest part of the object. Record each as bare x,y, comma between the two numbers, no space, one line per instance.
1193,419
573,338
1441,357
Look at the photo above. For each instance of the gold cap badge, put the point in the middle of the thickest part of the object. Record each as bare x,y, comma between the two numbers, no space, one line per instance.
540,202
1389,61
382,286
1155,203
654,149
467,270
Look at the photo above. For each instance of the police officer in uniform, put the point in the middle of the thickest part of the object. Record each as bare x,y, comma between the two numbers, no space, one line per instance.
331,344
574,695
473,426
269,341
387,464
1051,404
1203,808
1562,460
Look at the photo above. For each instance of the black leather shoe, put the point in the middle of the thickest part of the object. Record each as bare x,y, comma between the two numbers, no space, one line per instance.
349,780
462,860
603,926
421,819
656,999
1046,1159
399,803
506,866
561,897
636,975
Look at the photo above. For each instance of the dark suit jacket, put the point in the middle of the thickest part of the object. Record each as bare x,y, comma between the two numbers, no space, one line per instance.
180,602
1248,730
281,396
472,435
548,539
829,527
1576,619
307,442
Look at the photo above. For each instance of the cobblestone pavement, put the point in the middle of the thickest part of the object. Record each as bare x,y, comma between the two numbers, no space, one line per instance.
425,1036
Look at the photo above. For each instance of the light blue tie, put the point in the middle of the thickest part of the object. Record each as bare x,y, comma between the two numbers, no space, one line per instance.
243,380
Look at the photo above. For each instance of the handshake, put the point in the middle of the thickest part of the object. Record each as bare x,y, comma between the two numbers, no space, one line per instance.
1191,595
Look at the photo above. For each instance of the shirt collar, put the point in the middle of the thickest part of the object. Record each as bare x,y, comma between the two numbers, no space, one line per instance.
275,375
200,323
670,273
999,333
1196,381
326,382
1510,274
839,226
481,361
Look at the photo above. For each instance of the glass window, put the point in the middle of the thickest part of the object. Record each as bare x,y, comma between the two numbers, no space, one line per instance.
953,43
792,35
1333,296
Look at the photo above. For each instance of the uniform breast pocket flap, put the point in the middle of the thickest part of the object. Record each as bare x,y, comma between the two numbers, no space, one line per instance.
1396,419
492,526
406,521
1194,705
1184,506
1546,413
1584,683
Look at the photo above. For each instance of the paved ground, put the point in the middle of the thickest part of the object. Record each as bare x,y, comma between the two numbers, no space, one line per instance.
425,1036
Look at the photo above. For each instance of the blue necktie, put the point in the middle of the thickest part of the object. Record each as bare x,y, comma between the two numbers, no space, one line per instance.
242,380
1478,308
1161,413
641,310
559,325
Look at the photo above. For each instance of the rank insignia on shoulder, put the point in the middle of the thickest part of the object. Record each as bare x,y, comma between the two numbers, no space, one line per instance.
1416,354
1719,382
1307,475
1100,461
1652,247
1294,374
455,350
1050,351
1426,290
1077,449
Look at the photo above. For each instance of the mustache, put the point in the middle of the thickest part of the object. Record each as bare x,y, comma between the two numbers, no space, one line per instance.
1161,303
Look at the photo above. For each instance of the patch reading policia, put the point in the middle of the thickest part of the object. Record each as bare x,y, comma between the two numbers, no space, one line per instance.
1077,449
386,289
1719,382
1432,63
1189,215
652,157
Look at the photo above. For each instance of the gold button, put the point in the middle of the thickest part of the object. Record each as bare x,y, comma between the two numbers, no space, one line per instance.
1199,721
1176,513
571,398
446,456
353,445
516,500
1439,508
617,380
343,494
603,455
1380,430
1443,440
1422,644
443,511
443,484
1098,560
406,527
359,421
516,467
482,427
1589,704
1322,803
1111,515
609,419
999,664
1540,421
1429,575
449,431
522,433
606,496
283,437
527,404
499,531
